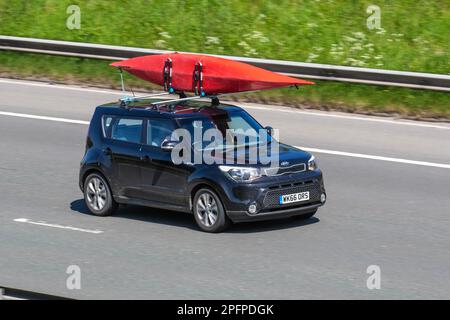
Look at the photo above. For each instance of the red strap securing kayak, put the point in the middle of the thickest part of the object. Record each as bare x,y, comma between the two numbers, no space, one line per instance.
167,74
198,79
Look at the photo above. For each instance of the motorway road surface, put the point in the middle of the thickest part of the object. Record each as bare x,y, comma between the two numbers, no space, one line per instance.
395,215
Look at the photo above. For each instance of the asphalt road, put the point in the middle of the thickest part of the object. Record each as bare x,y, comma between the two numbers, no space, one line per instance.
392,214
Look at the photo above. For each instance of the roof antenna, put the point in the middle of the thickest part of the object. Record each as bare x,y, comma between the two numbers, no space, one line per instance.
122,84
125,100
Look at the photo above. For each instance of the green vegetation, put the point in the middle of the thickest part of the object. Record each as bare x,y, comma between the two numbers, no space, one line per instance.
414,36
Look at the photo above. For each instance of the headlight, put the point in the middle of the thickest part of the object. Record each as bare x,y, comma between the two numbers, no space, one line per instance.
312,164
241,174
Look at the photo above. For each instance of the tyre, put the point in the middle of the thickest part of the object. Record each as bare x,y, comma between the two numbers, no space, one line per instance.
305,216
98,196
209,212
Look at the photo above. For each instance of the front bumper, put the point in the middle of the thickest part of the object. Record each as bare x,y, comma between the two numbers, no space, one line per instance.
265,196
244,216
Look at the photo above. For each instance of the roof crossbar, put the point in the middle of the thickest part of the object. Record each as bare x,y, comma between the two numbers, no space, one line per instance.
129,99
151,96
176,100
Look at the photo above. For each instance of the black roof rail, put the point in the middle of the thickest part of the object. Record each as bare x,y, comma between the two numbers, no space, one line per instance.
125,102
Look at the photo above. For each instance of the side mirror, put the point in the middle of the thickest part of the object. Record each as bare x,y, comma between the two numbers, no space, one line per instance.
269,130
168,145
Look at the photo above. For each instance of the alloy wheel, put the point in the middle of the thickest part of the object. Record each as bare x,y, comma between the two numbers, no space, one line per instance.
207,209
96,193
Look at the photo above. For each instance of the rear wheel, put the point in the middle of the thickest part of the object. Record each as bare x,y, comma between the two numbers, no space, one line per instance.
209,212
98,196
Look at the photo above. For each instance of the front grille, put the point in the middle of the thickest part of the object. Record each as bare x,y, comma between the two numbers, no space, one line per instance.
296,168
272,197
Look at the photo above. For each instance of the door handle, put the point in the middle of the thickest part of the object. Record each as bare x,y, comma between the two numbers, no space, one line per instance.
107,151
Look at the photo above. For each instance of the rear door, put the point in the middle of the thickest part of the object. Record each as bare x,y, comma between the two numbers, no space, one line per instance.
123,148
162,180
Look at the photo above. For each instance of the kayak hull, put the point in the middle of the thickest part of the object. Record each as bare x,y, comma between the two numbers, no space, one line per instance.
216,75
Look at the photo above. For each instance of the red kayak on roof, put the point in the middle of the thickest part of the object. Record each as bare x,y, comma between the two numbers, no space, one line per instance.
203,74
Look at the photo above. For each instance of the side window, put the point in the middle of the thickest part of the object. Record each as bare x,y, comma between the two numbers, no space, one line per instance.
126,129
158,130
106,123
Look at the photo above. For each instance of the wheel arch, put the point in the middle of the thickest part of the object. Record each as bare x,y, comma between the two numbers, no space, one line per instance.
91,171
205,184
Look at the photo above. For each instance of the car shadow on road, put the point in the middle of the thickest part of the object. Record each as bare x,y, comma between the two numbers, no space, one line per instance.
269,225
161,216
180,219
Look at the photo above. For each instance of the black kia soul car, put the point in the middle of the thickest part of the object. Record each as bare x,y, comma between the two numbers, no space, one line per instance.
128,160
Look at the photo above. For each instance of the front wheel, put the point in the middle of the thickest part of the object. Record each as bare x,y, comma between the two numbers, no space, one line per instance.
209,212
98,196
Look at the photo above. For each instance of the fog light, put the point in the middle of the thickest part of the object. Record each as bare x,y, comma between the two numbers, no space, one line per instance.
323,197
252,208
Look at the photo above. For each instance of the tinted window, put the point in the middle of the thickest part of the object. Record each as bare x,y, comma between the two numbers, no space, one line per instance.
158,130
126,129
226,122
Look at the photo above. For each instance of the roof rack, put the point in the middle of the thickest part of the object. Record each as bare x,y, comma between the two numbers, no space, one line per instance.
176,100
167,75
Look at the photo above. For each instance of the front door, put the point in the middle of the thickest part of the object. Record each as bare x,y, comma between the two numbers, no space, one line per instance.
161,179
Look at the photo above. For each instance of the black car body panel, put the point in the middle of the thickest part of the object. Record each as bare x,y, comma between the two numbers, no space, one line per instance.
144,174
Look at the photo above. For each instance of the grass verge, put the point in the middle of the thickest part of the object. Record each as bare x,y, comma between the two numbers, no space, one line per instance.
412,35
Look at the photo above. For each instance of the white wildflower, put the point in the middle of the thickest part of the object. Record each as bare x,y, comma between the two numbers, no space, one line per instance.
160,44
212,40
165,34
381,31
312,57
359,35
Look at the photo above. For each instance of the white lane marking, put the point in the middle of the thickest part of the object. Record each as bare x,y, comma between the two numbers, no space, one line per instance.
339,153
278,109
31,116
43,223
59,86
331,115
380,158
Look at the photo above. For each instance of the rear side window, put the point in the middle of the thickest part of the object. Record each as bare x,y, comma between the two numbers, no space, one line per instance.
158,130
127,129
106,125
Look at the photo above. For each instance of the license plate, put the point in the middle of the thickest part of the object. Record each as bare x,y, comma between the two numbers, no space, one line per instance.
294,197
